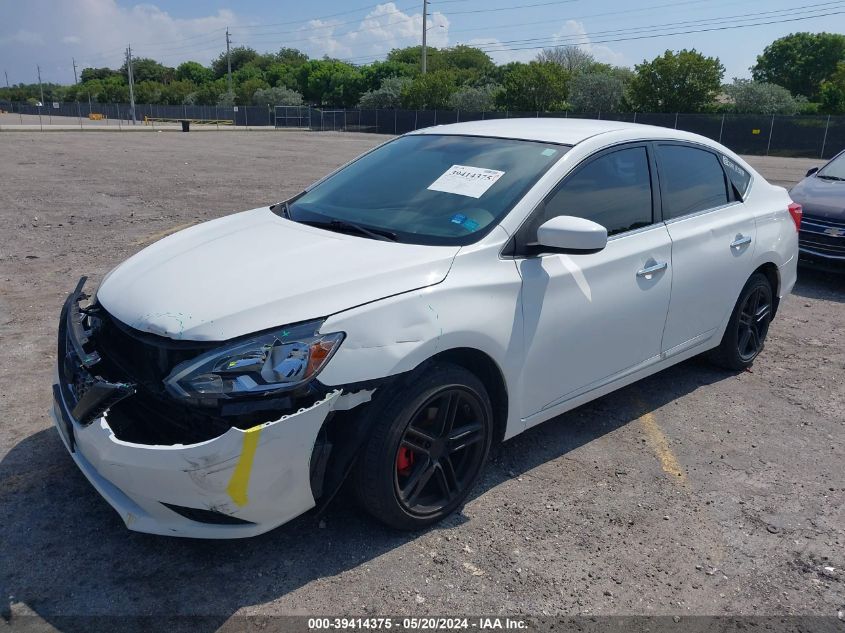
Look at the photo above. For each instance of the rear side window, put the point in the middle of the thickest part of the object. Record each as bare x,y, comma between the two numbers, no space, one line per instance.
691,180
613,190
739,178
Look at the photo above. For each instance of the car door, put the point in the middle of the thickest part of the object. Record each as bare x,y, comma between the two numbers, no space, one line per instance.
591,317
712,234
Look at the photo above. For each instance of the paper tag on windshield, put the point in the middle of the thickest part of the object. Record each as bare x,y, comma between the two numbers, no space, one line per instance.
466,181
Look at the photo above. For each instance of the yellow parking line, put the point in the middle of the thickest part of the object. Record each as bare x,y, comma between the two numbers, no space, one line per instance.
660,444
157,236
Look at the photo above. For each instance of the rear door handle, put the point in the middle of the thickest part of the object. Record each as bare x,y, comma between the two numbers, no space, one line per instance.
741,241
648,271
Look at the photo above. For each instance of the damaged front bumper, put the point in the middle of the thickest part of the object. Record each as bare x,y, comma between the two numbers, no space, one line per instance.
241,483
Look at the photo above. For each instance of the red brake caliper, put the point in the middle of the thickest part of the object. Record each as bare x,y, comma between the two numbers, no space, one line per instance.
404,460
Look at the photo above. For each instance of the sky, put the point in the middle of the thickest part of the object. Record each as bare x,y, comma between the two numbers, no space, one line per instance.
52,33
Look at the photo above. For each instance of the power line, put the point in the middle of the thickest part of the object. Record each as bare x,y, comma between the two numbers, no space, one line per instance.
643,37
587,38
589,15
743,17
378,27
514,7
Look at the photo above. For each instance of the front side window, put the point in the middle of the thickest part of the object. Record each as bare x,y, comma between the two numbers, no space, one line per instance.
613,190
691,180
429,189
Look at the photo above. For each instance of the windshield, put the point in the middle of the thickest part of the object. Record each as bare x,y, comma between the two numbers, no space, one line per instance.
834,169
429,189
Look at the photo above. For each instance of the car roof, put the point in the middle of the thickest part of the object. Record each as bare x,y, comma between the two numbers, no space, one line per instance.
566,131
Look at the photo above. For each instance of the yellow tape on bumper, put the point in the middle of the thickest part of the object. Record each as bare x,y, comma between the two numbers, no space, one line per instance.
239,483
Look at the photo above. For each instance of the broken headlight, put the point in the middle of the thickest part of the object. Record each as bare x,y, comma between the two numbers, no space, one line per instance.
268,363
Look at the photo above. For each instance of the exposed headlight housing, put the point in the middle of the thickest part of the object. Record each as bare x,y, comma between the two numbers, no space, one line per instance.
265,364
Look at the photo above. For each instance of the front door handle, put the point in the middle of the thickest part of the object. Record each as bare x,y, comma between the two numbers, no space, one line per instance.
741,241
648,271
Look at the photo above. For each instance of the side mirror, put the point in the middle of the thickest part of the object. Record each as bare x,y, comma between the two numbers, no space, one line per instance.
812,171
570,235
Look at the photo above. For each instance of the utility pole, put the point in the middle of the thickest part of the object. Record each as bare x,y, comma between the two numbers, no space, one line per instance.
131,82
424,20
228,63
6,72
75,78
40,86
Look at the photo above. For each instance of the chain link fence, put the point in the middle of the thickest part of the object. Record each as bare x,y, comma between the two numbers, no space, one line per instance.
779,135
797,136
231,115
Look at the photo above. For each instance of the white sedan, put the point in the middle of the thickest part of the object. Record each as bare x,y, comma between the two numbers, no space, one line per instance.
444,291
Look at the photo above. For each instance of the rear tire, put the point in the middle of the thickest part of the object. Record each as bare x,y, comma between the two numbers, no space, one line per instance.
748,326
427,448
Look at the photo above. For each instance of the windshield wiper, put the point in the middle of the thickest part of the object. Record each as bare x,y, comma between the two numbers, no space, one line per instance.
284,207
342,225
826,177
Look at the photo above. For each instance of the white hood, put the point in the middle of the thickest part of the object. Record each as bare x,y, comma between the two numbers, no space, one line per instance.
255,270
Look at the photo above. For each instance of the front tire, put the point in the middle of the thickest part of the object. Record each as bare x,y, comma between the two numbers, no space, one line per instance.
427,449
748,326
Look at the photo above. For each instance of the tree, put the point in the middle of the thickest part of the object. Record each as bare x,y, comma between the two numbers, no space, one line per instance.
177,92
430,91
686,81
375,74
475,98
88,74
800,62
329,82
208,93
146,69
113,89
195,72
148,92
759,97
227,99
412,55
833,92
388,95
596,92
245,90
463,57
571,58
535,86
291,56
241,56
283,75
277,96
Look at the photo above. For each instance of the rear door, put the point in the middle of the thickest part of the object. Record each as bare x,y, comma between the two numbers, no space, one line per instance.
712,233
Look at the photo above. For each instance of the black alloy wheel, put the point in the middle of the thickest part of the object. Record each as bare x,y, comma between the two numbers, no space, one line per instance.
748,326
754,318
431,434
440,451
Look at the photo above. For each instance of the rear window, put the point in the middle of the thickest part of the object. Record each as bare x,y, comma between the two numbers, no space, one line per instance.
691,180
739,178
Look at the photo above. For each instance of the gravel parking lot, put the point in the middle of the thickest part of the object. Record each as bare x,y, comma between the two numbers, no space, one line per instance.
696,491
